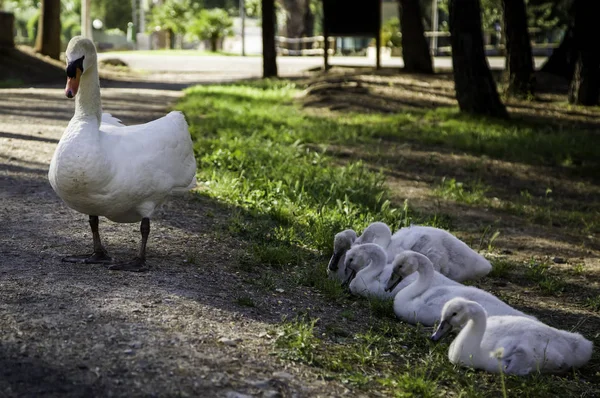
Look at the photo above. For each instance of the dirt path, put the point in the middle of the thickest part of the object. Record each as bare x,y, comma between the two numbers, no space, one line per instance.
80,330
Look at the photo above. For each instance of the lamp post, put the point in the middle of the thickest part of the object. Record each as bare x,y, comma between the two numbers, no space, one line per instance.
434,26
243,17
86,22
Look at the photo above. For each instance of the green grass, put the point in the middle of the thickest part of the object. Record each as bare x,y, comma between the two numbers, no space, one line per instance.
10,83
540,273
267,158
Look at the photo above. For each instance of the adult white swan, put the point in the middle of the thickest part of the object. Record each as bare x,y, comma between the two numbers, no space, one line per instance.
420,302
521,345
103,168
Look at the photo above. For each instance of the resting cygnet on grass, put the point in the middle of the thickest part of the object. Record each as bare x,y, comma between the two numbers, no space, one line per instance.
511,344
368,273
450,255
377,233
420,302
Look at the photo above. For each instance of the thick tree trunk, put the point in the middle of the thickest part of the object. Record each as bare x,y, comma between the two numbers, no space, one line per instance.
268,39
7,25
519,60
475,88
415,50
48,36
562,60
585,84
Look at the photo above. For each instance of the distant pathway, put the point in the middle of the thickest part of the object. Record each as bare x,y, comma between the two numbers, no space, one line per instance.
233,67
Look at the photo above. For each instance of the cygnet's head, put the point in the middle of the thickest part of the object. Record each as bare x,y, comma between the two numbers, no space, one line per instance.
455,314
341,244
377,232
358,258
403,265
80,56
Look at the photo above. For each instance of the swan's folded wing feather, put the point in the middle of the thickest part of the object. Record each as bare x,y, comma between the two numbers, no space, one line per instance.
110,120
153,157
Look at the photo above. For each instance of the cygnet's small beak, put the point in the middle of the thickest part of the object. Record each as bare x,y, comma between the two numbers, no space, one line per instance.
349,279
443,328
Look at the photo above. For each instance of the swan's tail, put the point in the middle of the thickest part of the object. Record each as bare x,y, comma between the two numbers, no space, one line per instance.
582,350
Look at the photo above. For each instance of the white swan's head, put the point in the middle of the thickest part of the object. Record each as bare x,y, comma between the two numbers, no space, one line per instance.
455,314
403,265
359,257
80,56
341,244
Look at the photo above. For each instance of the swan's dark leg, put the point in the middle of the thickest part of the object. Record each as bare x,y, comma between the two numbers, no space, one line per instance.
99,256
138,264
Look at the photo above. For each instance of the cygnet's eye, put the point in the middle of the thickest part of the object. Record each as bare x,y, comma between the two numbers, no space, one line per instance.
454,314
350,259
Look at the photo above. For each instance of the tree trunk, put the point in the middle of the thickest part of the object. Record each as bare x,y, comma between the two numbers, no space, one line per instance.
585,84
519,59
213,44
7,34
268,39
562,60
48,36
475,88
415,50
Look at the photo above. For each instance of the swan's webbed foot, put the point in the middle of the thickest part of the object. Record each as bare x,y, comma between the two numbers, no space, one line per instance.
136,265
97,257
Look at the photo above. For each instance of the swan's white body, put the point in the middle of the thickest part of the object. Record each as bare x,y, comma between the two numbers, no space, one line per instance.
514,344
450,256
420,302
103,168
372,273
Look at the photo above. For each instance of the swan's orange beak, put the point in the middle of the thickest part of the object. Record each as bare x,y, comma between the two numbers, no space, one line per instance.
73,84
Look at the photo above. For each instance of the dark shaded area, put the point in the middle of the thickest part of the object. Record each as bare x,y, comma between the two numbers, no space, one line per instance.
26,137
25,68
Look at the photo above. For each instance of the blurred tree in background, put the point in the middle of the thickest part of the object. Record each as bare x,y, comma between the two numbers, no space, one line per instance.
212,25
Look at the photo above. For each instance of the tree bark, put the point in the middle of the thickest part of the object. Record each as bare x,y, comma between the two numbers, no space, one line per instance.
415,51
585,84
48,36
519,59
562,60
268,38
475,88
7,34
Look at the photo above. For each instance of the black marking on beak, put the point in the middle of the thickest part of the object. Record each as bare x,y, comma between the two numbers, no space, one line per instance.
443,328
73,66
391,287
349,278
335,259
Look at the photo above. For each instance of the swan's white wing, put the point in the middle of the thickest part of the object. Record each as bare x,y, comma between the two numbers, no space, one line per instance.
110,120
153,158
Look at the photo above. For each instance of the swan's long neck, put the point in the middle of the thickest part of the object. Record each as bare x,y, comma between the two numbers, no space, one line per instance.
426,274
378,260
467,344
87,100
